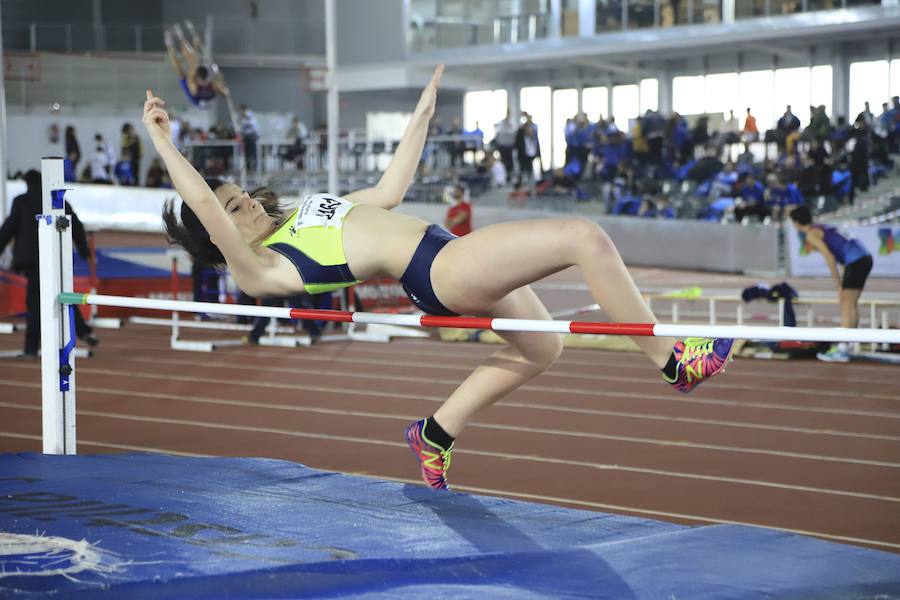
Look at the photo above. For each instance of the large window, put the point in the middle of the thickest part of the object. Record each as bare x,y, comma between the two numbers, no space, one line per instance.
565,105
792,88
595,103
869,83
536,102
626,104
687,95
757,92
720,94
895,79
649,95
820,88
484,109
766,93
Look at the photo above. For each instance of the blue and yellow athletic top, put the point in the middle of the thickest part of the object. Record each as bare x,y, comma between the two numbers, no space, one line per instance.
311,239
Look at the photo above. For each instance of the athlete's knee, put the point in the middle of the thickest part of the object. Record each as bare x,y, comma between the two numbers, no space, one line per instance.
545,351
587,235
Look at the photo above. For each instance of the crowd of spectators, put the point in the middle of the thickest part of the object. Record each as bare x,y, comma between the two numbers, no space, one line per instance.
106,166
666,166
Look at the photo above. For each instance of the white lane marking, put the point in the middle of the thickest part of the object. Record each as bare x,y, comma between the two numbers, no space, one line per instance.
575,391
557,373
555,390
406,418
492,454
634,439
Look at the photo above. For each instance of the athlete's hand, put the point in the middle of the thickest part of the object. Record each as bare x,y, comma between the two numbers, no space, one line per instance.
156,119
428,100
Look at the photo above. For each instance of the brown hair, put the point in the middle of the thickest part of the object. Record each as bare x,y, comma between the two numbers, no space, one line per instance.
190,234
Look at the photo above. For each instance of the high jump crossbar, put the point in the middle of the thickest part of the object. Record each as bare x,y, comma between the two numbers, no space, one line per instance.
805,334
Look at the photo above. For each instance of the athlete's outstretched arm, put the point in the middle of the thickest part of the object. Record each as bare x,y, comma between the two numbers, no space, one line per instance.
245,266
393,184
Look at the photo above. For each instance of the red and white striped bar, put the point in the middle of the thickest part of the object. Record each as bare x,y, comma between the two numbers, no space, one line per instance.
802,334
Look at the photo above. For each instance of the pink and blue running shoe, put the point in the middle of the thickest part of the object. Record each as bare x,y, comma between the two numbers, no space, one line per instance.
433,460
699,359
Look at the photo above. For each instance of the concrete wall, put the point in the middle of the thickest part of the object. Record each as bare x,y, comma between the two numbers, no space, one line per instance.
274,27
370,31
355,105
644,242
270,90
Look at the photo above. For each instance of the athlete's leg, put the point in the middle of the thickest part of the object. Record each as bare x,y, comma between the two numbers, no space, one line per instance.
527,355
850,308
476,271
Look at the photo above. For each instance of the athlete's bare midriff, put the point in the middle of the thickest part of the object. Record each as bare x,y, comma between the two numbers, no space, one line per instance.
379,242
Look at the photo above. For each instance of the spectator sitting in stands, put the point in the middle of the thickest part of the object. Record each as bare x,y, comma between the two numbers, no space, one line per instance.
723,184
749,199
839,136
664,209
842,183
647,209
781,197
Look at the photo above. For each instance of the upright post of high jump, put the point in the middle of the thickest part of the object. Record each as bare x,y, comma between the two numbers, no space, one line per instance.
332,105
57,320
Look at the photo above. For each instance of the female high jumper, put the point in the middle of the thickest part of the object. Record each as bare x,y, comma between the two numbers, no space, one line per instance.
332,242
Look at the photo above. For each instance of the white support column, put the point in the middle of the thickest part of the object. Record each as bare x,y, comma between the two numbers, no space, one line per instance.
512,101
840,84
587,18
55,243
554,26
728,11
332,105
664,84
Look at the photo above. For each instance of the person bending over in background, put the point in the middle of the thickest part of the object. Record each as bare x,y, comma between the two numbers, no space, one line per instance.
857,262
330,242
21,226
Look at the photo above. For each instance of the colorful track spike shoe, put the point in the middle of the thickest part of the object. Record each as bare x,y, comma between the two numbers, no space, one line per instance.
699,359
433,460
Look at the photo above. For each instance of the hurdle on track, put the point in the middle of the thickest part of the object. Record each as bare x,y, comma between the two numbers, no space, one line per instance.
58,305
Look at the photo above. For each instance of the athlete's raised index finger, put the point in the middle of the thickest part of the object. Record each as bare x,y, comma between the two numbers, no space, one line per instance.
436,77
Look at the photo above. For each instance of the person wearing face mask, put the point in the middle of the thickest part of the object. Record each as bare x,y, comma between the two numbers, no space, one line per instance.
459,215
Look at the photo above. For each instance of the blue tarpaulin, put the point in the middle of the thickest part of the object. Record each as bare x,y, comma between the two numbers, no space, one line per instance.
150,526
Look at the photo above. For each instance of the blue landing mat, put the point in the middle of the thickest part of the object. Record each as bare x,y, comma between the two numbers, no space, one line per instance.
147,526
109,267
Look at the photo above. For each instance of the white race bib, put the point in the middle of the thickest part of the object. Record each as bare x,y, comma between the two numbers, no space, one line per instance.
321,210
